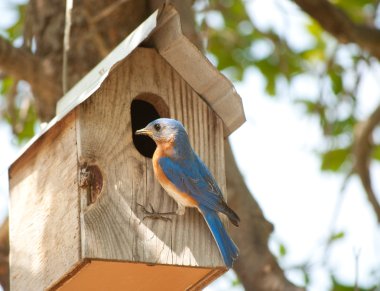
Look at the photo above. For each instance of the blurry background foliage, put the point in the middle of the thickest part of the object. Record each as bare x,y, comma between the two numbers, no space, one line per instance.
16,101
236,43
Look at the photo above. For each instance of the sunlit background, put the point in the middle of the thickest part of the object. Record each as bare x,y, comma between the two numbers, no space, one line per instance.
276,150
322,229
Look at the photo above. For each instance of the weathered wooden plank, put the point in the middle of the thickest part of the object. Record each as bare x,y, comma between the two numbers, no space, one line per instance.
44,210
113,227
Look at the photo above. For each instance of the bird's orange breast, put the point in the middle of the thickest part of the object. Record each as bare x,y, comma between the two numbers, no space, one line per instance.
178,195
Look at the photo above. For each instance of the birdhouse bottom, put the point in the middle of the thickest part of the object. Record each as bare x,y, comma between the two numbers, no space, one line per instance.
107,275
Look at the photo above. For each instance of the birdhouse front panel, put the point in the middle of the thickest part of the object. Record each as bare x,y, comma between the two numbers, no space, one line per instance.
113,224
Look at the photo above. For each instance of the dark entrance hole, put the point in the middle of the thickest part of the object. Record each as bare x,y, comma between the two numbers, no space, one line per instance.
143,112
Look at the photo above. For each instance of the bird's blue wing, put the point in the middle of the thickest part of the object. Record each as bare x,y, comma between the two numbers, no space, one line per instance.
193,178
209,178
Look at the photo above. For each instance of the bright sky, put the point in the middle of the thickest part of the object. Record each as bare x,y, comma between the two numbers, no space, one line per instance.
275,151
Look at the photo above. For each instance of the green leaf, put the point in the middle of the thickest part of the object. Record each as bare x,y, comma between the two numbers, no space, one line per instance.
269,69
306,278
314,28
314,54
312,107
336,79
354,8
339,286
336,236
333,160
28,127
5,85
343,126
236,282
376,153
16,30
282,250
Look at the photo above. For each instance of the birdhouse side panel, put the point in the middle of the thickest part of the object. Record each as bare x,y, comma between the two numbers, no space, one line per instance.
44,210
114,226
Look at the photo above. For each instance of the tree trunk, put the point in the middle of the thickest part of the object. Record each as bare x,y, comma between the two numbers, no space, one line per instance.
97,27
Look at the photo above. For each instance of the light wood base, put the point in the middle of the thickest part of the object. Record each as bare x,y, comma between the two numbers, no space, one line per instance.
96,275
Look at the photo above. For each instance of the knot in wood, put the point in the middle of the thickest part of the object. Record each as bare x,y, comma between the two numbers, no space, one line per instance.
91,178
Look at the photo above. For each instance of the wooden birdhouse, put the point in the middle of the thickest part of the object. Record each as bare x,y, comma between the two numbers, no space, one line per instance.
75,190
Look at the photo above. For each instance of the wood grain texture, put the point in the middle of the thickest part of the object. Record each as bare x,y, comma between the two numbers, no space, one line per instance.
44,210
113,227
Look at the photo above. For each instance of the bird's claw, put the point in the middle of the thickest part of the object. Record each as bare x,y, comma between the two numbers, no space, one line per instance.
153,214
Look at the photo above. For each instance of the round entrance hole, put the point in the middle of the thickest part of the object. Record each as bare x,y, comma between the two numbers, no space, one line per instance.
144,109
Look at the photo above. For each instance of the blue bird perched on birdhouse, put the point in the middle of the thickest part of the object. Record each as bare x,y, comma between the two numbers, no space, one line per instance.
189,182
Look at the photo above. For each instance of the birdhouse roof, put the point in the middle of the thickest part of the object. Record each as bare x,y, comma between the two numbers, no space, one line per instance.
163,29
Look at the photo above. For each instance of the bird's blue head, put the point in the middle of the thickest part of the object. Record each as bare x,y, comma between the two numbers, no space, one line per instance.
165,130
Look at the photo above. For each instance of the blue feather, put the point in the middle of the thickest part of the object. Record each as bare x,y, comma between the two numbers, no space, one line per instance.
227,247
192,177
187,177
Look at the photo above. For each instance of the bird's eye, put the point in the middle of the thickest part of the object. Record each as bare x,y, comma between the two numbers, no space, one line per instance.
157,127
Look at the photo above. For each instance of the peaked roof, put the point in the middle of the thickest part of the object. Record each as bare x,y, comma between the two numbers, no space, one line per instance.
163,28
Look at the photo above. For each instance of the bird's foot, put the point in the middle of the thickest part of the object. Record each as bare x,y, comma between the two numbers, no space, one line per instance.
153,214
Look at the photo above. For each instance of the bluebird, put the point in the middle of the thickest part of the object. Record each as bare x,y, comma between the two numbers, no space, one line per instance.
189,182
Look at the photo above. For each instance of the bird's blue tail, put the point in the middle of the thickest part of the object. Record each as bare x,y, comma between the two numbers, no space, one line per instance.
227,247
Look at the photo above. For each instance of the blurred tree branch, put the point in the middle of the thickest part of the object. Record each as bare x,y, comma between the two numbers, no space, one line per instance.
17,61
363,145
335,21
22,64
